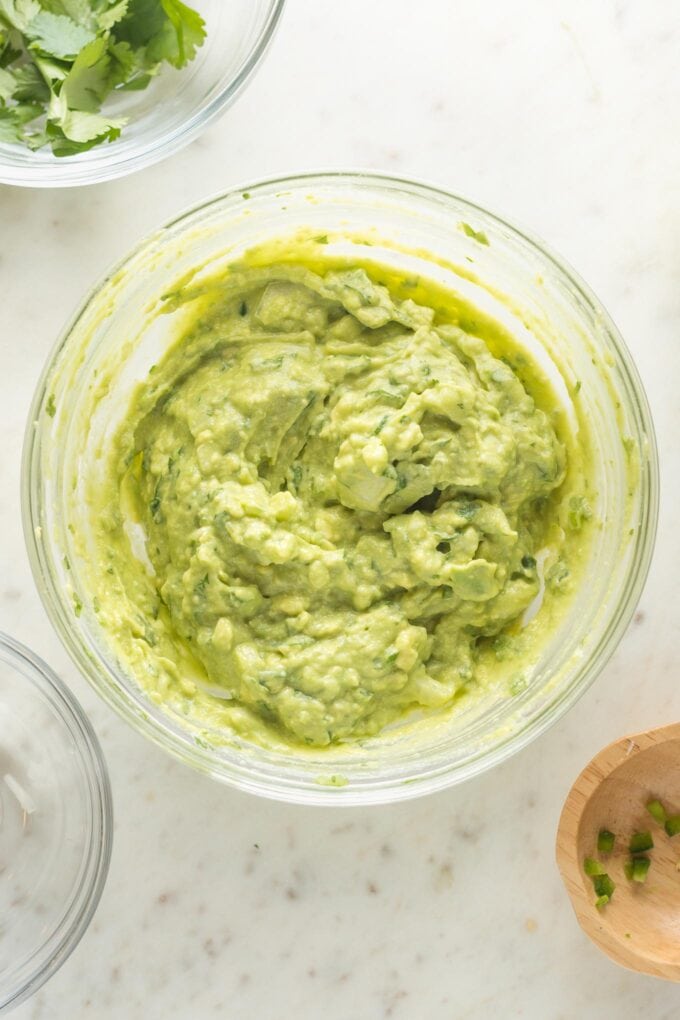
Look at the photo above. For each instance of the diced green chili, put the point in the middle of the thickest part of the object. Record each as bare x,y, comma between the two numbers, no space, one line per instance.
605,841
657,811
603,885
592,867
641,841
672,825
636,869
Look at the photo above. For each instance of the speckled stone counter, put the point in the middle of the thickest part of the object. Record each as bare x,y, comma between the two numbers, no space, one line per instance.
562,116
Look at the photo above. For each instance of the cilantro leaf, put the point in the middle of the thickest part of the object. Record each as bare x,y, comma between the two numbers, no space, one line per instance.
57,36
126,66
10,46
29,85
79,11
189,28
8,85
61,59
13,120
95,15
19,13
476,235
168,29
52,71
137,83
10,130
81,126
88,83
144,20
89,127
112,15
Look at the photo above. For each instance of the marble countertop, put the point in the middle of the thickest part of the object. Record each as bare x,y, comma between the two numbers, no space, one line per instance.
563,116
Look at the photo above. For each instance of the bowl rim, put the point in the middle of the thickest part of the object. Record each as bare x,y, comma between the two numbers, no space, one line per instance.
381,791
64,939
72,171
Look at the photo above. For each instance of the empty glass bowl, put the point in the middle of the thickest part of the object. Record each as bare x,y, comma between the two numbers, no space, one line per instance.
167,115
55,823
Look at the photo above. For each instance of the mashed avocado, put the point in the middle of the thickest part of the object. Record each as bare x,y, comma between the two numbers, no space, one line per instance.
328,506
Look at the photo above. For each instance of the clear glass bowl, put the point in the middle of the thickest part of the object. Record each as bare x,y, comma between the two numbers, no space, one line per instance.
420,229
55,823
172,111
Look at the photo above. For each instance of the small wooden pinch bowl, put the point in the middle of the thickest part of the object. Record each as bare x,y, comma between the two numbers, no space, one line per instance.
640,927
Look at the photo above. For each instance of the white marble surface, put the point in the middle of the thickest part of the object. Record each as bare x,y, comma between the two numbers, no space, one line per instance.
563,115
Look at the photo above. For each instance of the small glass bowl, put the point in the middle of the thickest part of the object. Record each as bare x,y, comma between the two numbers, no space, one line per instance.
56,823
419,231
171,112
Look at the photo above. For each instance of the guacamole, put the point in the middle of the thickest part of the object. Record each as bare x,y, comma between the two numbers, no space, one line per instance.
329,506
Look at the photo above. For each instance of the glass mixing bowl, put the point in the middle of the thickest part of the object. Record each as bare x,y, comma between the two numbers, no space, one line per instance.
173,110
423,231
55,823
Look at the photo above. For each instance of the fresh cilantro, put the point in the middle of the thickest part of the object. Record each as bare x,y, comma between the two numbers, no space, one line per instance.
112,15
29,85
579,512
381,425
19,13
56,36
60,60
477,235
8,85
14,121
76,130
80,11
87,83
7,51
155,506
188,28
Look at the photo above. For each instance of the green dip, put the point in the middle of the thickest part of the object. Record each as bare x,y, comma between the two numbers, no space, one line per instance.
329,506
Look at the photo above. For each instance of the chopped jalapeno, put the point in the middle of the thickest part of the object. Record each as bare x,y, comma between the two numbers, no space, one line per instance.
603,885
657,811
636,868
641,841
605,841
672,825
